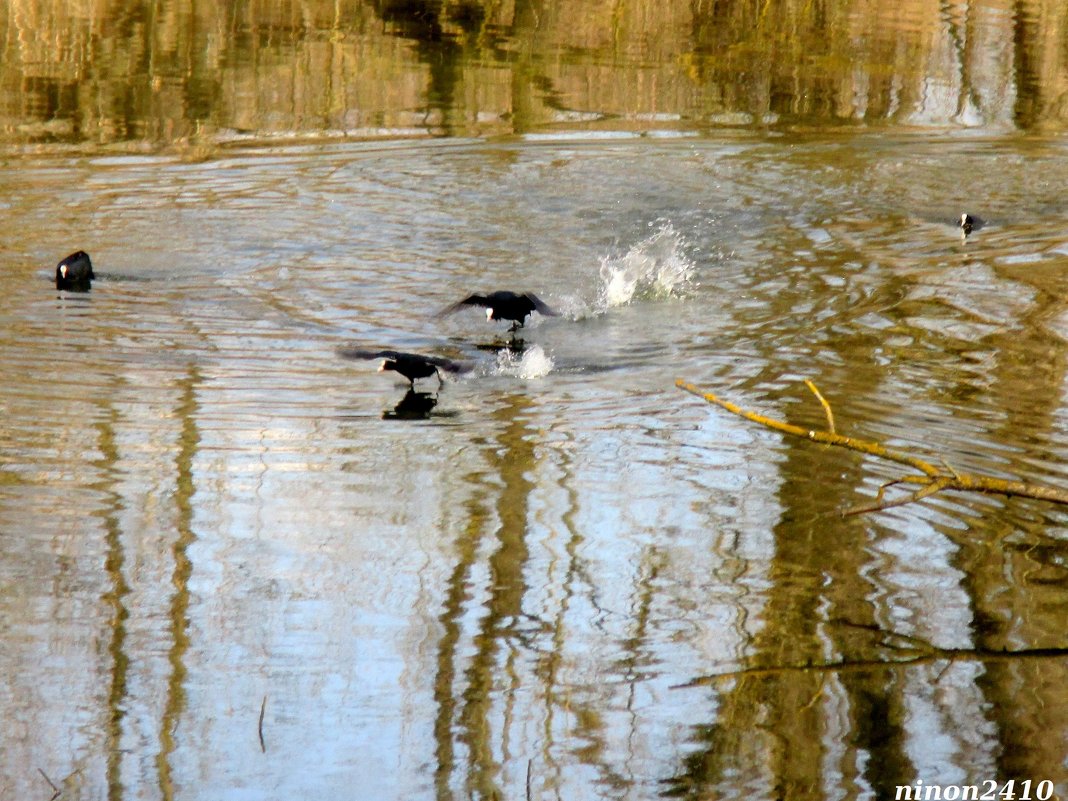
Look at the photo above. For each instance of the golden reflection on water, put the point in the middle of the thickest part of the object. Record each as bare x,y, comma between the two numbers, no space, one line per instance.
175,697
256,528
185,72
116,598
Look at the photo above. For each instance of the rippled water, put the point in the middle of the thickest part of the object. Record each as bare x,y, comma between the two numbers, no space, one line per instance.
513,587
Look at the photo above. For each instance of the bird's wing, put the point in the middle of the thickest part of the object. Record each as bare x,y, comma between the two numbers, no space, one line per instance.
396,355
448,364
364,353
540,306
470,300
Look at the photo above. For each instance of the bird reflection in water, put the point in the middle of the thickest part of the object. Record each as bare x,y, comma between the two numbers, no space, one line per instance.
413,406
513,345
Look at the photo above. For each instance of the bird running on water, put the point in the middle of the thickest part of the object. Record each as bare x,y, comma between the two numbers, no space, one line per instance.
410,365
505,305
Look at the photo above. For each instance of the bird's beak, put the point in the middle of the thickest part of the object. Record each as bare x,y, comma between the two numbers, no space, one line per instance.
382,367
489,314
63,270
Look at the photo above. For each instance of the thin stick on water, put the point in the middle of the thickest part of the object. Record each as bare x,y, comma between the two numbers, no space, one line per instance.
263,708
823,402
56,791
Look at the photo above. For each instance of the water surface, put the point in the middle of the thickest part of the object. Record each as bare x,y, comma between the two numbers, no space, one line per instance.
557,576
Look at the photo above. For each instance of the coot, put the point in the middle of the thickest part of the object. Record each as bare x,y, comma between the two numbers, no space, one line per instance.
969,223
505,305
75,272
409,365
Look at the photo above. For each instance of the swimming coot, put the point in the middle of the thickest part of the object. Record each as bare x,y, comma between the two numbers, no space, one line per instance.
969,223
75,272
409,365
505,305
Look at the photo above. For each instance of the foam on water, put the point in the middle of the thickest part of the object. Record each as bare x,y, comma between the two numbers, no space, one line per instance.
531,363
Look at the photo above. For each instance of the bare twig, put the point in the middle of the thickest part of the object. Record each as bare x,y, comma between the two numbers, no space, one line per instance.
56,792
263,708
949,467
937,485
823,402
910,658
933,479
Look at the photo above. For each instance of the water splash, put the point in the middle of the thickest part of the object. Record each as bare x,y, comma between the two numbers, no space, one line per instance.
531,363
656,267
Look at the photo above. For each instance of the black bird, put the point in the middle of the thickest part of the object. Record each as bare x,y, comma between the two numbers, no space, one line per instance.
75,272
505,305
409,365
969,223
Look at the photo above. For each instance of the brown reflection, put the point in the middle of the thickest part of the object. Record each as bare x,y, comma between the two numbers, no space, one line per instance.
176,72
424,21
445,678
1017,590
827,600
114,566
1013,572
510,458
820,602
821,605
558,698
185,488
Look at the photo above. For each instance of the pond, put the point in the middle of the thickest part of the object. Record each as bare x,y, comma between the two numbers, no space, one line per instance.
234,564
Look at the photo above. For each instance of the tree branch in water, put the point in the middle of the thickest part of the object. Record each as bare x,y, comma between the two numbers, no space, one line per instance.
905,659
932,479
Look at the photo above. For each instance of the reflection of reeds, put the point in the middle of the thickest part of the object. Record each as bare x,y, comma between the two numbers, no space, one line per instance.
175,697
163,72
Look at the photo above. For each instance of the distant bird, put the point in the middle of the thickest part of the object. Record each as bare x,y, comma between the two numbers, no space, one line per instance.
968,223
505,305
409,365
75,272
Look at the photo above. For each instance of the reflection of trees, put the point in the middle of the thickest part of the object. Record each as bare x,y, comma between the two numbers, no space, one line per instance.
796,733
421,21
875,62
185,487
1017,594
775,727
115,567
165,72
511,457
498,674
